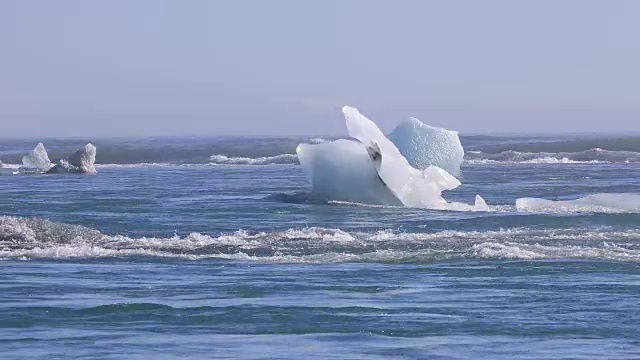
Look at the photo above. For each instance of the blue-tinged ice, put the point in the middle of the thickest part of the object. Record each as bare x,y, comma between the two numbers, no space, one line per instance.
423,145
372,170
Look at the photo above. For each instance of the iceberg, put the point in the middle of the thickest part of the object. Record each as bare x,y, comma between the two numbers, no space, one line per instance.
423,145
82,161
371,169
600,203
37,159
341,170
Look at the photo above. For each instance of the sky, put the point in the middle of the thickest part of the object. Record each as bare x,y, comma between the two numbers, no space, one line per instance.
285,67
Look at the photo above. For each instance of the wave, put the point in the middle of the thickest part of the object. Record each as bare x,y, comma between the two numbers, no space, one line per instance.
140,165
544,160
265,160
249,161
10,166
28,238
555,145
126,166
590,156
281,150
594,156
299,197
160,150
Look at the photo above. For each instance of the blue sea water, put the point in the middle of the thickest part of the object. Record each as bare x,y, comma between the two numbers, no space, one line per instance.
215,248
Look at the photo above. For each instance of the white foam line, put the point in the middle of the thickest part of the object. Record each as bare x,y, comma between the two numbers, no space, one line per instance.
26,238
266,160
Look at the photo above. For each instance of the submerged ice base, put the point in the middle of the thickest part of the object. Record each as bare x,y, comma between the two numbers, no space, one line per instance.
344,170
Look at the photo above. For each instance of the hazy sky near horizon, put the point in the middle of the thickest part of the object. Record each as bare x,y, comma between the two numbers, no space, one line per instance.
130,68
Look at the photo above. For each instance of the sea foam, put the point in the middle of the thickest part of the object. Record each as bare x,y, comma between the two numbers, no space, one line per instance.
28,238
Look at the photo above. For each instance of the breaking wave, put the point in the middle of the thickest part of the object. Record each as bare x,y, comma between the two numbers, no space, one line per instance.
556,145
266,151
266,160
596,155
592,156
10,166
281,150
28,238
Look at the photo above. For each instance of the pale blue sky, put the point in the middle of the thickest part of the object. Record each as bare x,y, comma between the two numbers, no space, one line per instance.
286,67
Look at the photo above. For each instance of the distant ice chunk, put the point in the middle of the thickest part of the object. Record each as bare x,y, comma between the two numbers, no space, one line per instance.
37,159
602,203
423,145
372,170
82,161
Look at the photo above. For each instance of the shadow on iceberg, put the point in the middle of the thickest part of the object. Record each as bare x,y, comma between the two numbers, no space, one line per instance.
82,161
371,170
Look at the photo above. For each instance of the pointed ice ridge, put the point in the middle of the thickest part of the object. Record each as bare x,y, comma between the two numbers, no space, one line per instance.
37,159
82,161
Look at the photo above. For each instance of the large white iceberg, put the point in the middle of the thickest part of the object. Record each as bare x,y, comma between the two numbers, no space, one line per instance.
603,202
82,161
372,170
423,145
342,170
37,159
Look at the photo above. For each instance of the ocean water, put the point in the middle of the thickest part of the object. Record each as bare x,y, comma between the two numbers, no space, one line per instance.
215,248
